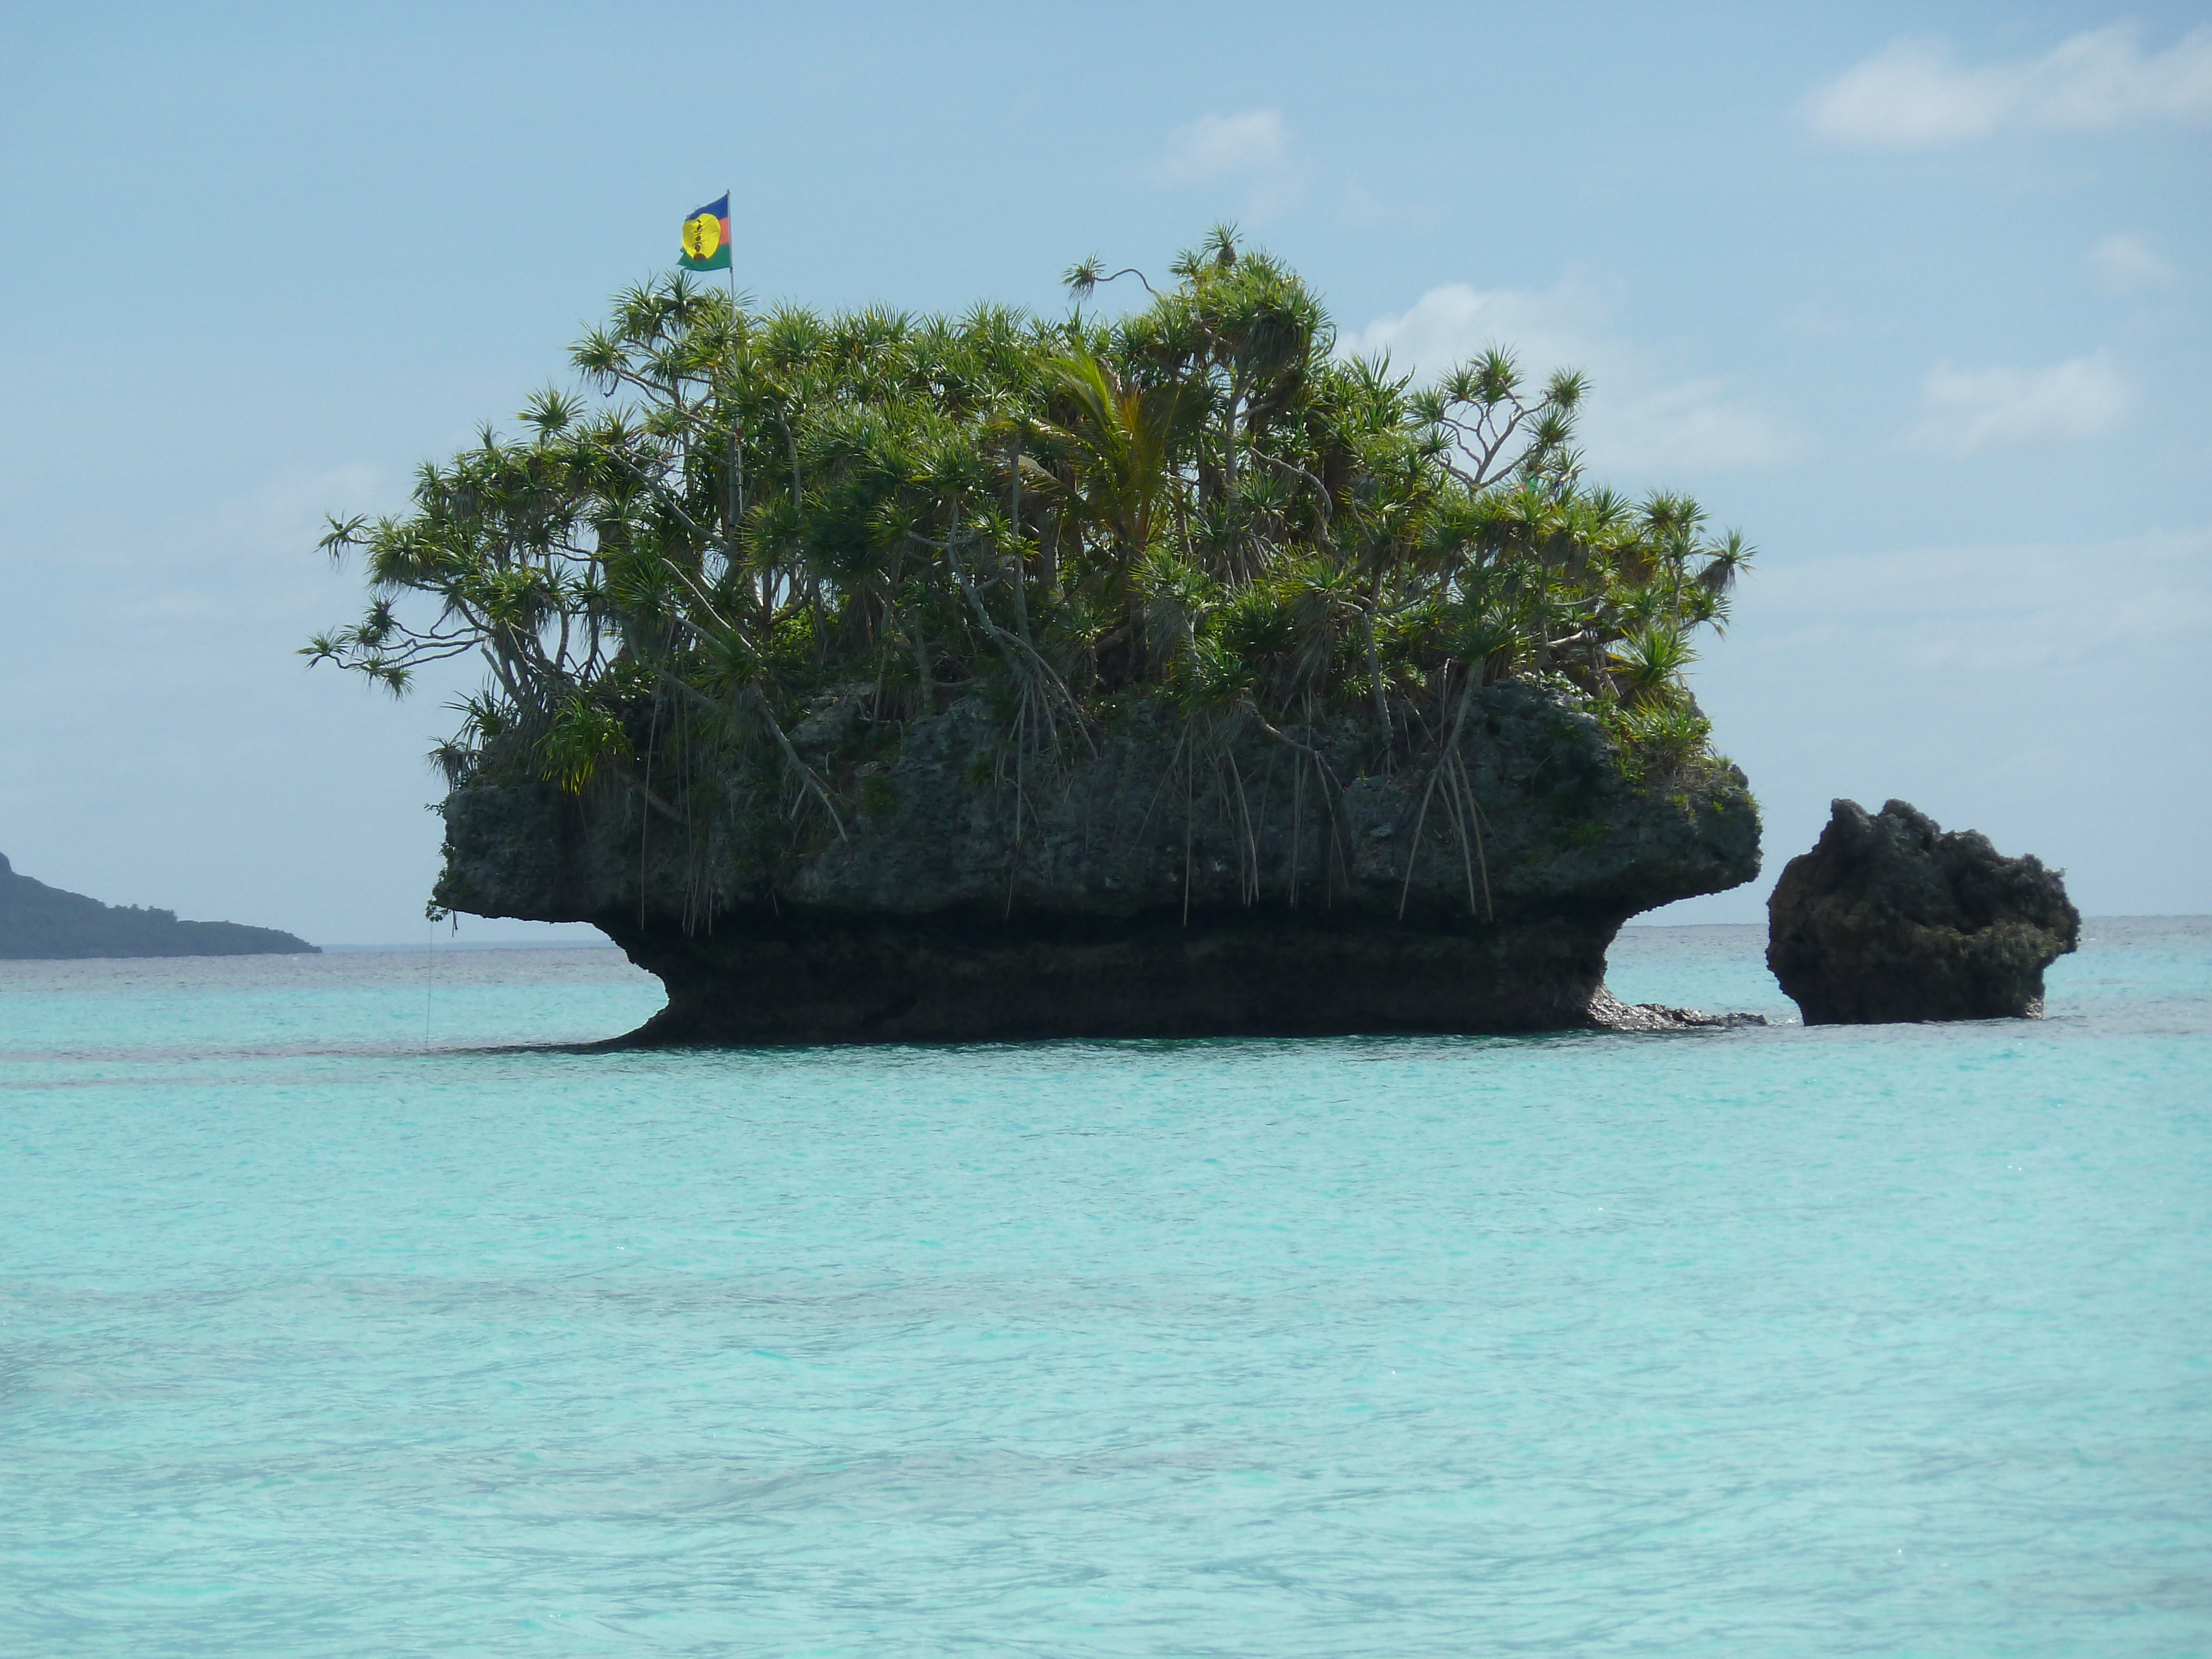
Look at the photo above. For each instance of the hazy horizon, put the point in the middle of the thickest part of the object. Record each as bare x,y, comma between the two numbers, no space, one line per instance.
1912,295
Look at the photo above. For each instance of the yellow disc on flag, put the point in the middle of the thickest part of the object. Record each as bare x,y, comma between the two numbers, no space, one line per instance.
702,236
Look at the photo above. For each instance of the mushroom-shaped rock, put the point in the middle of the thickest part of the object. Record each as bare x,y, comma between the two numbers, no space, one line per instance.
1238,880
1889,918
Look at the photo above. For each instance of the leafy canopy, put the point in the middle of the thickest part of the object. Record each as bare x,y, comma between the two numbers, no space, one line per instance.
736,512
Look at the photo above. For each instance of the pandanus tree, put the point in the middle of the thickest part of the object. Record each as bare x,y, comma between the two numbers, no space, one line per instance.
738,519
1118,446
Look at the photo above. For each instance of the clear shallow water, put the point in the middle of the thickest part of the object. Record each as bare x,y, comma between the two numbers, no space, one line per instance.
314,1340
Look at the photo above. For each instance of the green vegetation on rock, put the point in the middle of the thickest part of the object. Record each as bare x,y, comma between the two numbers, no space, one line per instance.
745,524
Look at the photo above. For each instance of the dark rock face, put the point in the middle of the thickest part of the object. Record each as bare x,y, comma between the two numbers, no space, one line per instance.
1175,883
1888,918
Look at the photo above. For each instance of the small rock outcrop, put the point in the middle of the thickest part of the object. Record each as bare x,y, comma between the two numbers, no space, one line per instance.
1244,880
1889,918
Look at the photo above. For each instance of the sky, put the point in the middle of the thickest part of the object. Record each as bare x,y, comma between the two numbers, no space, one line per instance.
1915,296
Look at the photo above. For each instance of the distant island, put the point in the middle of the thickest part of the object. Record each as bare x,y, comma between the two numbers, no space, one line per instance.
43,923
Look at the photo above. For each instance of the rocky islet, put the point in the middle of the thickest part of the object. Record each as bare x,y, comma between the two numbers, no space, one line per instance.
1891,918
1177,879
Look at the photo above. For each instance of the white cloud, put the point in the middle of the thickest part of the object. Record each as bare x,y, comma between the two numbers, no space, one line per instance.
1252,149
1450,324
1971,611
1362,208
1968,410
2044,692
2126,264
1912,95
1639,417
1225,146
1695,425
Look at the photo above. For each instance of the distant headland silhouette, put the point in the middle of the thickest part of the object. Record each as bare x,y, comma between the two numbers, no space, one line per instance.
41,923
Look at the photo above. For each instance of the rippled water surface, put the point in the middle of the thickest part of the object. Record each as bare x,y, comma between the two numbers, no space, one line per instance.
344,1311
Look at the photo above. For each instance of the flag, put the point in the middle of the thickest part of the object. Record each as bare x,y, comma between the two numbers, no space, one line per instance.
706,237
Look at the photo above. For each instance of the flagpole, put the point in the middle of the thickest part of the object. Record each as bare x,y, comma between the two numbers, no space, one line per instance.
737,441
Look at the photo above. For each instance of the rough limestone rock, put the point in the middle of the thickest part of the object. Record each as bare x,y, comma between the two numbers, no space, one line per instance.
1888,918
1179,881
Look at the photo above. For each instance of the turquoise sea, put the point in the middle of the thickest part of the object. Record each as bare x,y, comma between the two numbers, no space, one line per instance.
348,1307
